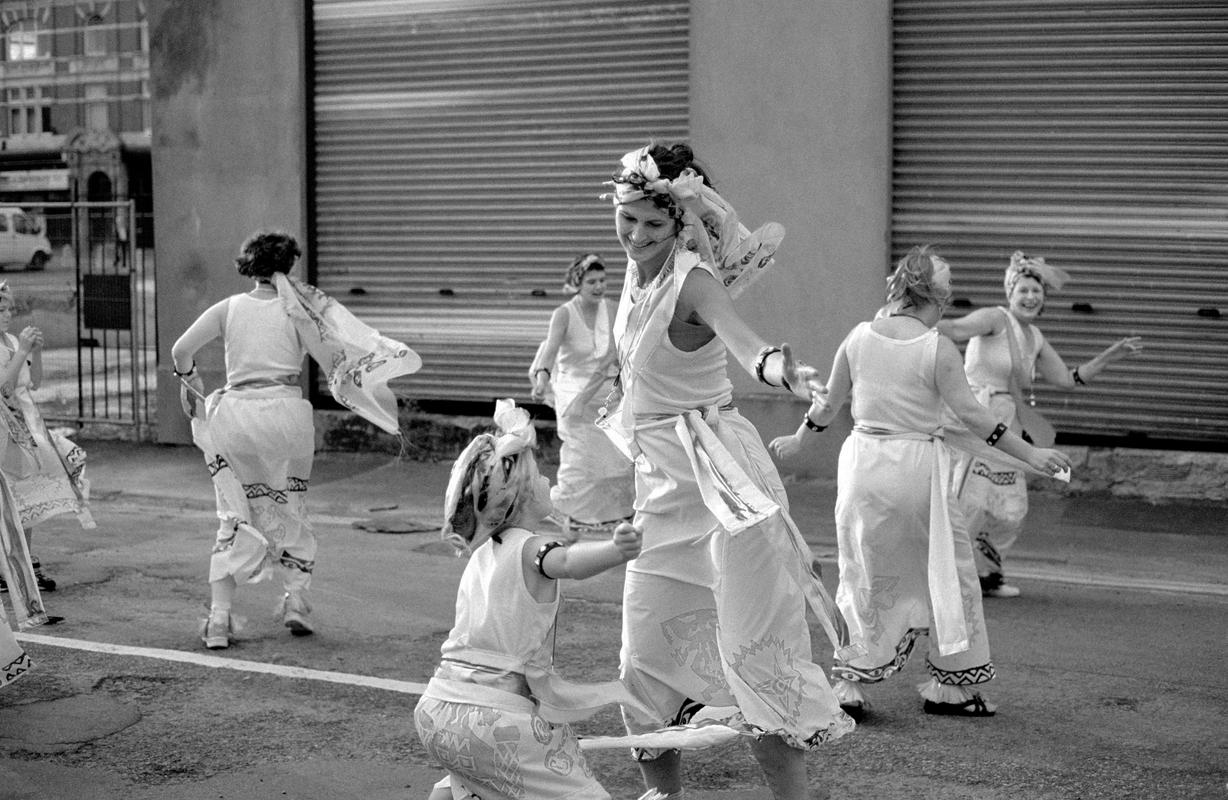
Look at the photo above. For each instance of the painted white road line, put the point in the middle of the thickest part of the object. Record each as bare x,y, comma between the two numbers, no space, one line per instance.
217,662
1103,581
1099,580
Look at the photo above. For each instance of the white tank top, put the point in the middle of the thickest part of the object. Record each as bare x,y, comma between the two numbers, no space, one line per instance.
261,343
894,381
987,359
499,624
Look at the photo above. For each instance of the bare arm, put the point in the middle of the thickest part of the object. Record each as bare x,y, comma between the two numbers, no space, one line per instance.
36,365
577,561
543,362
953,386
707,299
1054,370
207,327
823,408
982,322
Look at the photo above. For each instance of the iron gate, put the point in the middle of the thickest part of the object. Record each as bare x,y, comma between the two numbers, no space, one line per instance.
94,300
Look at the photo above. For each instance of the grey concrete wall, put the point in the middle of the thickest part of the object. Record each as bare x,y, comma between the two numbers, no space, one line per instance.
228,93
791,108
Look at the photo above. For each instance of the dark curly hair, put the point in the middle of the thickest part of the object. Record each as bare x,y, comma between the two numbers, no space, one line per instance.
267,252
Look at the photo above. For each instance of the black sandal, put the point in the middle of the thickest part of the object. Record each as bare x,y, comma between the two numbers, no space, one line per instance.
975,707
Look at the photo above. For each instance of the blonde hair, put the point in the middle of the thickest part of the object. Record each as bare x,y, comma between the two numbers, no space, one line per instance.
912,284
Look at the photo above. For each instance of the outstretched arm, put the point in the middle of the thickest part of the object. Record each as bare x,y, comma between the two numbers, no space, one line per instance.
1054,370
982,322
953,386
707,299
823,409
576,561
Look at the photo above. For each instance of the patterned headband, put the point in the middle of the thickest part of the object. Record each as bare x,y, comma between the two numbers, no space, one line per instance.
1025,266
6,291
489,481
638,178
577,271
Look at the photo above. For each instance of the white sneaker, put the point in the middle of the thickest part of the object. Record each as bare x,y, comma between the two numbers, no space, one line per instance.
1002,590
216,634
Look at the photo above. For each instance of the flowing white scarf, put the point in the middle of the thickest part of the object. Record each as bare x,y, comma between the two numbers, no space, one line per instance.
357,360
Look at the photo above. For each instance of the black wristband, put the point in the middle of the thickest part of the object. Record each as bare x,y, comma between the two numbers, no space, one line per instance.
809,423
1078,378
992,439
191,371
761,363
541,557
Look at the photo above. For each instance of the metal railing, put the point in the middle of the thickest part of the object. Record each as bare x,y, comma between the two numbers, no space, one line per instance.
95,301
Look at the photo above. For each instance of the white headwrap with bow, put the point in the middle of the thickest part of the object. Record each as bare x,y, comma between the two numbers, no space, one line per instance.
1025,266
710,226
490,480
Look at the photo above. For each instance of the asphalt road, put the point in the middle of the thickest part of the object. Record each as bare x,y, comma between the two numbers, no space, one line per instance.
1108,691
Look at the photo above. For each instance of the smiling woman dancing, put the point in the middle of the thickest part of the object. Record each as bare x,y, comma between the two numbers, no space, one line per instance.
1005,351
714,606
594,486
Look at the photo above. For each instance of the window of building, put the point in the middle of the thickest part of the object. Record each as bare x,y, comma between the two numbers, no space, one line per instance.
96,117
95,37
24,41
27,111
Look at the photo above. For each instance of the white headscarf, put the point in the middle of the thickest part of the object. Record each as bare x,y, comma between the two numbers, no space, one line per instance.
710,226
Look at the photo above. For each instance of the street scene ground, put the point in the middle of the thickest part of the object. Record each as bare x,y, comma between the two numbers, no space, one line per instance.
1110,665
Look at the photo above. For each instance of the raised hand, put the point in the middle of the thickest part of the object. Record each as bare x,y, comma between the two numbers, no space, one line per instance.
30,338
1123,348
802,379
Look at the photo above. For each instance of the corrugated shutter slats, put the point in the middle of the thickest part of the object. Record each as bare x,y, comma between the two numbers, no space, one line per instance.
1094,133
459,152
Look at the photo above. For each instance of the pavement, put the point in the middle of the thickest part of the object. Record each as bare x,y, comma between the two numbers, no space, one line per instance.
1092,539
1087,540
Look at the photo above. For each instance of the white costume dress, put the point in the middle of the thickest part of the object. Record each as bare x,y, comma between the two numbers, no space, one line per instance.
993,498
595,482
478,717
714,607
58,485
260,430
904,569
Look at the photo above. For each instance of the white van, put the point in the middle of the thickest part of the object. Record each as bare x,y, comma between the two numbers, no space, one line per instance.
22,241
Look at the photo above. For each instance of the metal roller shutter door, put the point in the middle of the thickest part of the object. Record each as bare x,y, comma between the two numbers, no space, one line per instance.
459,150
1094,134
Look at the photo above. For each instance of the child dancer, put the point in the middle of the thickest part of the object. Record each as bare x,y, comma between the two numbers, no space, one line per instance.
58,484
495,714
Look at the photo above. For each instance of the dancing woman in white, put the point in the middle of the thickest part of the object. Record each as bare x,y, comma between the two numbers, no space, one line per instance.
595,486
714,607
904,569
257,432
1005,352
57,485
